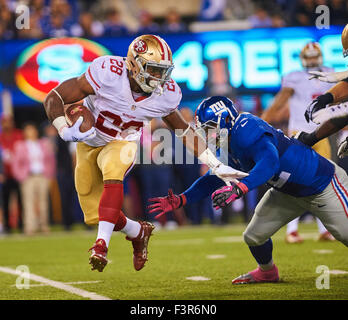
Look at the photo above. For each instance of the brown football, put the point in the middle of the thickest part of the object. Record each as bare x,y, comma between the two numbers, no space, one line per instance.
73,112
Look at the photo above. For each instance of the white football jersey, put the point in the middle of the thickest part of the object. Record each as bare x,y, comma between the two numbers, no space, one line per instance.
304,92
118,116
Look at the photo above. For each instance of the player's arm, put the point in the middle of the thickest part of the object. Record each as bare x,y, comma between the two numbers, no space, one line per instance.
337,94
200,189
325,130
279,102
265,156
197,145
69,91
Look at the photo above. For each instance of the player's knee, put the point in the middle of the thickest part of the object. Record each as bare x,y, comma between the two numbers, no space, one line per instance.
252,240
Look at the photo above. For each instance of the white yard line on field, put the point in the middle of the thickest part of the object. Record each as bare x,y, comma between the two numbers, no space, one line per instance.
74,282
55,284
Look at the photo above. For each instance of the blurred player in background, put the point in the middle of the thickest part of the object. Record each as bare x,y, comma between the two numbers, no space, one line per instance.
301,180
297,92
123,93
334,118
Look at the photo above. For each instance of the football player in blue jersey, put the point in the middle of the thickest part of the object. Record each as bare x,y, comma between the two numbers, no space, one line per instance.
301,181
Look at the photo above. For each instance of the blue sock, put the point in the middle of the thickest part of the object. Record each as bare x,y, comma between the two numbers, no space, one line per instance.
262,253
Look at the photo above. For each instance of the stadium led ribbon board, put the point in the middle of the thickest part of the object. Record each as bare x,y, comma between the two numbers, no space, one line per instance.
42,66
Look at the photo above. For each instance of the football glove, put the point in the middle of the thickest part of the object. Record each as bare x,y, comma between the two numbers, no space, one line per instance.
73,133
343,148
317,104
227,194
330,77
337,111
162,205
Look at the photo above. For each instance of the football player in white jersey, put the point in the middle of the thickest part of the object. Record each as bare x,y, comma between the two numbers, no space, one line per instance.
297,92
123,93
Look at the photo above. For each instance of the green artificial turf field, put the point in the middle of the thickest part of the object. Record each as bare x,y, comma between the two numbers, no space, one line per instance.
216,253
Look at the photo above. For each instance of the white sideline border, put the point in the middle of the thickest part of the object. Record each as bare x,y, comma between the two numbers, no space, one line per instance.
56,284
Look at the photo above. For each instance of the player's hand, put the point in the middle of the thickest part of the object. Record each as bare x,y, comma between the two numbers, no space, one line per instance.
331,112
227,194
331,77
228,174
343,148
162,205
74,134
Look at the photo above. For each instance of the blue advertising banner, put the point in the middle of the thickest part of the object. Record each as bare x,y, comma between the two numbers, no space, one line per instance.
249,61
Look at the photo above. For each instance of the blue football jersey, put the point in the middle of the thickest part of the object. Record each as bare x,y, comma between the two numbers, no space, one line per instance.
301,172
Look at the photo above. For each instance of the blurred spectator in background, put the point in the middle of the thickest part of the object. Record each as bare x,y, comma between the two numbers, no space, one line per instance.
87,27
212,10
338,12
34,166
173,22
147,25
7,22
304,13
113,26
64,175
8,137
278,20
260,18
56,28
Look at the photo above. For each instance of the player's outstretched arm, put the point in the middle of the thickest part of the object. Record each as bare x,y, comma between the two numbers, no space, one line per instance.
69,91
279,102
200,189
335,95
327,129
198,146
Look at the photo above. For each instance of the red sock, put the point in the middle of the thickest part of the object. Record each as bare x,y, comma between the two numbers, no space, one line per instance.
121,222
111,201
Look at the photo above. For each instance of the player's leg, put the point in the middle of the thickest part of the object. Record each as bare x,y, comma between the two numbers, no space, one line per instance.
331,206
292,235
324,149
274,210
88,181
324,235
114,161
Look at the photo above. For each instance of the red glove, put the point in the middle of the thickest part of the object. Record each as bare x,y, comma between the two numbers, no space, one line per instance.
162,205
227,194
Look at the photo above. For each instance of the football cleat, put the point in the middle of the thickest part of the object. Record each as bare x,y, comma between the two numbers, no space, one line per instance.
293,237
258,276
140,244
98,259
326,236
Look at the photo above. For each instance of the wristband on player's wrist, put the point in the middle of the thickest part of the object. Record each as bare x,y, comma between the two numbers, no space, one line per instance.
326,98
309,139
183,200
240,189
60,123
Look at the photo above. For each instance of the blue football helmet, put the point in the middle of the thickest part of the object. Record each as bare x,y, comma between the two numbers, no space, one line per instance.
215,117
